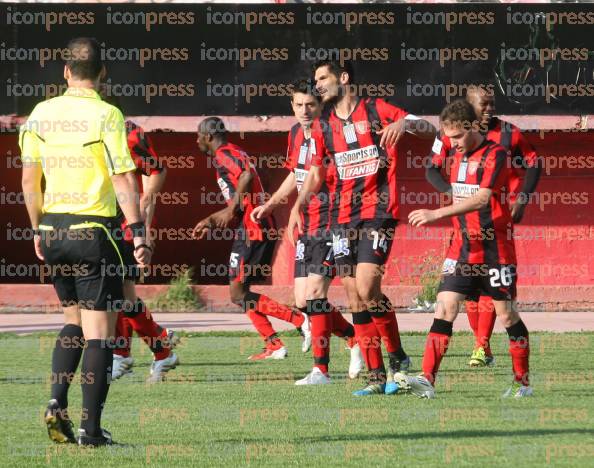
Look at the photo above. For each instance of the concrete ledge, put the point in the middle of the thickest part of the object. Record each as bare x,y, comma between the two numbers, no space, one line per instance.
41,298
276,123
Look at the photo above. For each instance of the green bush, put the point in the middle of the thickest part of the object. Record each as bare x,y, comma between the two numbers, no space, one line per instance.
430,284
179,296
429,278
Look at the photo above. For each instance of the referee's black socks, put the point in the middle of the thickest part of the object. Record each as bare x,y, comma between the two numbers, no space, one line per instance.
65,360
95,380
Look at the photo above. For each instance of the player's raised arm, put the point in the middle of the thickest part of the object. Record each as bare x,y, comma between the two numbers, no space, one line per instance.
400,122
439,151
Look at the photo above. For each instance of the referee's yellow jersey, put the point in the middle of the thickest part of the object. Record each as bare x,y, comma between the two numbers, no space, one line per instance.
80,142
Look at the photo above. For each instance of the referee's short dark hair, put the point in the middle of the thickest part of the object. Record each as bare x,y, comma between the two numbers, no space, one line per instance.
336,68
459,112
84,60
213,126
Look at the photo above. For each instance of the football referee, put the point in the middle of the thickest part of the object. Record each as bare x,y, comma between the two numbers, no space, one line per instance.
78,144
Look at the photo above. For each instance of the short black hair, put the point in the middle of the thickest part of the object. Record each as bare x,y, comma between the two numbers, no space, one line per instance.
213,126
336,68
305,86
458,111
84,60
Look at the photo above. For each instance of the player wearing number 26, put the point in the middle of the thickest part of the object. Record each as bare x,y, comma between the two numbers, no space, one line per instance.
481,259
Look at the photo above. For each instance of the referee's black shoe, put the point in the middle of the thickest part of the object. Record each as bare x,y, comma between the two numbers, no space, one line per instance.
103,439
59,425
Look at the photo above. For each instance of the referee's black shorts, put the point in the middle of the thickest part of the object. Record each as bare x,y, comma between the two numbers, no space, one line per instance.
86,266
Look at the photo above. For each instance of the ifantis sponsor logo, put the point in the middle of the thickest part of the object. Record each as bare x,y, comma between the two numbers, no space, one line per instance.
358,162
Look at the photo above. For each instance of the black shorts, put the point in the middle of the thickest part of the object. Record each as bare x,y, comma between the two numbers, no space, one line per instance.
85,262
250,264
313,254
369,241
475,280
131,270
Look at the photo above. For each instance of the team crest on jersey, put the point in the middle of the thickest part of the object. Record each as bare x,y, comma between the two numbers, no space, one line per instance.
473,167
224,188
362,127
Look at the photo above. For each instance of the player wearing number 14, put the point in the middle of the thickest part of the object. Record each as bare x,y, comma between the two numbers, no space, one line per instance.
481,259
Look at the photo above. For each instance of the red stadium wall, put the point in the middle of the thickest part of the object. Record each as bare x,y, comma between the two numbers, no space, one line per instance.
555,240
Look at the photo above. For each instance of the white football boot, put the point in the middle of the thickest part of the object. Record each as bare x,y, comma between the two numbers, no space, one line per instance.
121,366
357,363
315,377
417,385
161,367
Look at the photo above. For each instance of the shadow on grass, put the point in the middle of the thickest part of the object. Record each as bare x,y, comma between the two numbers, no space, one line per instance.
457,434
216,364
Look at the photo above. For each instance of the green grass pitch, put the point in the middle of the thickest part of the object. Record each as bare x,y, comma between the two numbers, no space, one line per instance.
218,409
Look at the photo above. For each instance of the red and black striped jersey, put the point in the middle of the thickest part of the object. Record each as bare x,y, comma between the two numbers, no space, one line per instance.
300,151
485,235
229,162
146,160
144,156
365,173
520,152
